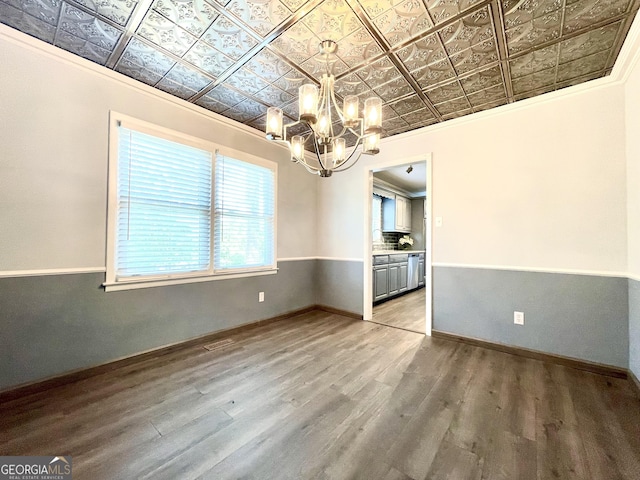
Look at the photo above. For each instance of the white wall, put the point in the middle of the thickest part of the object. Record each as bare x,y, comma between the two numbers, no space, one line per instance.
539,184
632,118
54,112
542,184
53,165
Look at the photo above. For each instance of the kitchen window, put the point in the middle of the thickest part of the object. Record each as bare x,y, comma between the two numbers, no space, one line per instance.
183,210
376,219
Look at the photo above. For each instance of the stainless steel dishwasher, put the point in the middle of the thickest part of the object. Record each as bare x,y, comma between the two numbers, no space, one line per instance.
412,271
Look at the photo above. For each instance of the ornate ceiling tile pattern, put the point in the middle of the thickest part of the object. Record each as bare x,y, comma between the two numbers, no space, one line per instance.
406,19
332,20
261,16
229,38
118,11
429,60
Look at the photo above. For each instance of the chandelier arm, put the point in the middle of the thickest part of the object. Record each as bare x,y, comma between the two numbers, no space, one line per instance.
287,126
344,130
346,160
321,98
360,135
337,107
282,142
328,97
293,124
315,144
309,168
347,168
320,127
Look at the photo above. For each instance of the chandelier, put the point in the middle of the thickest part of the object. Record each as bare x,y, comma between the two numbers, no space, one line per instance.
317,112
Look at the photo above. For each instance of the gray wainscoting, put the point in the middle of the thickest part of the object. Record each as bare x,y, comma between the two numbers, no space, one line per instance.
634,327
55,324
339,284
579,316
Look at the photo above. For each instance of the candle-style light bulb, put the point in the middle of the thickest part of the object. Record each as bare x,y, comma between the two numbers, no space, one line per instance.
323,127
373,115
297,148
308,102
371,144
350,111
339,151
274,123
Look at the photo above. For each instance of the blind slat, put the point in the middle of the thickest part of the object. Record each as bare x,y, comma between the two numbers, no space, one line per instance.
164,206
244,219
166,201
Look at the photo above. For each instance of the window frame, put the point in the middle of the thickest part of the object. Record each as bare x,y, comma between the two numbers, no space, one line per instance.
112,282
251,159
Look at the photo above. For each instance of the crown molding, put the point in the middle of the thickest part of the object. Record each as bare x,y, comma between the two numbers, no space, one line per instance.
628,58
378,182
26,41
525,104
629,55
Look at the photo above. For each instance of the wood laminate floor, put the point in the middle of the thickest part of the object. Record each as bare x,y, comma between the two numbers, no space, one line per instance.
320,396
406,311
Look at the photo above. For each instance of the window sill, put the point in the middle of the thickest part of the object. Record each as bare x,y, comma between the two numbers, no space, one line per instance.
148,283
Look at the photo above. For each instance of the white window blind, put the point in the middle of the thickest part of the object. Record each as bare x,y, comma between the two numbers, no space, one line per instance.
244,213
163,207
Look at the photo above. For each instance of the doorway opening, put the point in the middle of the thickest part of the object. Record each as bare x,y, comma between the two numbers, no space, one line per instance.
390,274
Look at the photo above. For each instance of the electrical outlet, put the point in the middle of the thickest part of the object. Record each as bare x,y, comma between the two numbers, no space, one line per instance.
261,297
518,318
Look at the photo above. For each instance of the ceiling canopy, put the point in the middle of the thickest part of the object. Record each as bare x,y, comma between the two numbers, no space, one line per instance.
428,60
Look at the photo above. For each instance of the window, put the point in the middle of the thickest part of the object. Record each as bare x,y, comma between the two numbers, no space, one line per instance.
169,221
376,219
244,214
164,206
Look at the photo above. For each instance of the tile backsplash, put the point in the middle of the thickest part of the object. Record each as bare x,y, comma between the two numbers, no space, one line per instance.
390,241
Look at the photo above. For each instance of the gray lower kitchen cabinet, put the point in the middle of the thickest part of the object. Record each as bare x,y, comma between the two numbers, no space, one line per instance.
403,277
394,279
390,275
398,273
421,272
380,282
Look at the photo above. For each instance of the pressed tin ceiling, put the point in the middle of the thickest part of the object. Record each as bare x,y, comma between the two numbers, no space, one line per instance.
429,60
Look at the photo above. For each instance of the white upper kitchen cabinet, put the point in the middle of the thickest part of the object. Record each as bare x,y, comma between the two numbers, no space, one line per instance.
396,214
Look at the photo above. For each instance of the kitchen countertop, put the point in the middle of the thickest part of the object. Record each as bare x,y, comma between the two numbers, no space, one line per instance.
392,252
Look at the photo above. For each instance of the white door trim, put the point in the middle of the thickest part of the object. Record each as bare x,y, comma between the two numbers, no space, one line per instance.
367,247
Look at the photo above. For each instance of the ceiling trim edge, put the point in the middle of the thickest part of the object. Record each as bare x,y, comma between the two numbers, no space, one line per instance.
629,54
596,84
22,39
628,57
